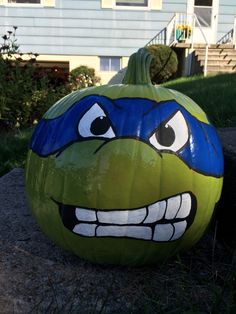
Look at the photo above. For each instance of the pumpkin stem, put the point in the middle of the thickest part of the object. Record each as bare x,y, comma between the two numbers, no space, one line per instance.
138,68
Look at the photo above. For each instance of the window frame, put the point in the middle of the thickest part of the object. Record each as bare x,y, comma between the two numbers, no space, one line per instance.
130,5
14,4
43,3
203,6
152,5
109,64
209,7
31,3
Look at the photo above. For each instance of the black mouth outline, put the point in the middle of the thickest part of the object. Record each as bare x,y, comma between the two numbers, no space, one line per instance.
69,219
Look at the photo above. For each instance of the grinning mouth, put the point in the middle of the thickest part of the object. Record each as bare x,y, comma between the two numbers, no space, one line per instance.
162,221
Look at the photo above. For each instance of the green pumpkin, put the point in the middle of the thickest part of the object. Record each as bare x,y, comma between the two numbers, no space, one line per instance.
124,174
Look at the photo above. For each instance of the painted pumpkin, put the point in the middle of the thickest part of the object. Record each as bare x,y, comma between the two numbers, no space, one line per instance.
124,174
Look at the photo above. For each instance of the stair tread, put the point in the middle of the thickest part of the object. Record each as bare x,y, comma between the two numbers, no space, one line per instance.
223,67
233,65
219,51
217,57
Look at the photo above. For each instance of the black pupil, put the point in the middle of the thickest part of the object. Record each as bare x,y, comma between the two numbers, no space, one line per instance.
100,126
165,135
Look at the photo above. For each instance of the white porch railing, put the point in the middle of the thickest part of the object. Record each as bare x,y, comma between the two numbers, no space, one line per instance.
234,33
227,38
166,36
230,37
181,28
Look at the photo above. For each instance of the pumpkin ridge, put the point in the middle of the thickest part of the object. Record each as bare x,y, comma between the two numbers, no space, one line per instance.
138,71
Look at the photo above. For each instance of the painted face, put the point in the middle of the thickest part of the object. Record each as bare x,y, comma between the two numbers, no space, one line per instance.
126,169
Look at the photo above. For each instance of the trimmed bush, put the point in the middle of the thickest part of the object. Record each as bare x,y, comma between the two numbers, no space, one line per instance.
82,77
164,64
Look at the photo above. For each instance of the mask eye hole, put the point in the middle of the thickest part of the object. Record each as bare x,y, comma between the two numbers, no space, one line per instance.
100,126
165,135
171,135
95,123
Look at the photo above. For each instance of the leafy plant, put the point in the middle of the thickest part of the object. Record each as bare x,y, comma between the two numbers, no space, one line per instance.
10,45
82,77
26,91
164,65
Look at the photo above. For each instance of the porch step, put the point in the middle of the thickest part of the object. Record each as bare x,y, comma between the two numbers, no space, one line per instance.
214,51
226,65
216,54
202,46
212,56
221,69
221,59
220,63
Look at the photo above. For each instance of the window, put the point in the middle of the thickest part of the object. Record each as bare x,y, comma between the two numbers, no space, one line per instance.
203,3
134,3
45,3
203,11
111,64
24,1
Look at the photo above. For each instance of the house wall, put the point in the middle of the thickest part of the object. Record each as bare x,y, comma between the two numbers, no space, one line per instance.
227,12
81,31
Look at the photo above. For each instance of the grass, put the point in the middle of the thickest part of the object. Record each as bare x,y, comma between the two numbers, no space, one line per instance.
216,95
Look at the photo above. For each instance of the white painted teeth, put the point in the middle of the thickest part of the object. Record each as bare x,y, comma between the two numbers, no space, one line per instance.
135,223
180,228
173,205
163,232
185,207
122,217
137,232
155,212
83,214
87,230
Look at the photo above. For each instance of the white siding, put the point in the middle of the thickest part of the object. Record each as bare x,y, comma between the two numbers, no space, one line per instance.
227,11
83,28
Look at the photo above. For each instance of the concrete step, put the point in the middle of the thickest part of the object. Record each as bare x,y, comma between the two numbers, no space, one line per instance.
221,60
202,46
217,52
222,46
214,46
220,69
219,63
216,57
226,61
212,73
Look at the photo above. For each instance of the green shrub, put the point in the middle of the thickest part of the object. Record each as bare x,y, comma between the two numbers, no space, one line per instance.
82,77
23,98
26,91
164,64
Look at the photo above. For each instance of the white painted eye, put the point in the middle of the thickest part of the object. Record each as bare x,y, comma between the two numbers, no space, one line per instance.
95,123
172,134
